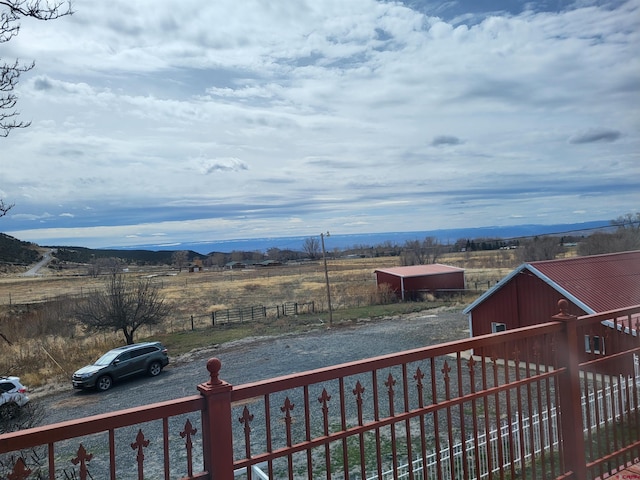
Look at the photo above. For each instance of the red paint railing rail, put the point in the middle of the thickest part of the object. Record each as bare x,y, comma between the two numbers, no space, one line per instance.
533,407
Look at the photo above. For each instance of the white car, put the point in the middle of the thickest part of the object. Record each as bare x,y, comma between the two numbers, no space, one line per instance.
13,396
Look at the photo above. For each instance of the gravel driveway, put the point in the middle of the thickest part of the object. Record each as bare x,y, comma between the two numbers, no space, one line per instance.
255,359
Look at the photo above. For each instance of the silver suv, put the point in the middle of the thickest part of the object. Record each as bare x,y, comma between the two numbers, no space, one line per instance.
120,363
13,396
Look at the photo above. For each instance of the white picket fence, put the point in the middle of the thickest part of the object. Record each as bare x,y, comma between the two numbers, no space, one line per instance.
530,436
537,433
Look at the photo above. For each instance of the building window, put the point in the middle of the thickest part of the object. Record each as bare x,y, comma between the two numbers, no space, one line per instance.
498,327
594,344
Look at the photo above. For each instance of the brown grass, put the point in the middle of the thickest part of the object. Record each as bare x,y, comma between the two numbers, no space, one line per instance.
36,314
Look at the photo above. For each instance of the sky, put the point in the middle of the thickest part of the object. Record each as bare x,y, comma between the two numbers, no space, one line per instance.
159,123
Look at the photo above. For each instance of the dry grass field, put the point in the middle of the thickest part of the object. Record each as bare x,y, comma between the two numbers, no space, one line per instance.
36,312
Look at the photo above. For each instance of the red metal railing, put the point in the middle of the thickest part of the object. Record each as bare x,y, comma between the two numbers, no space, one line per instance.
430,413
113,444
612,422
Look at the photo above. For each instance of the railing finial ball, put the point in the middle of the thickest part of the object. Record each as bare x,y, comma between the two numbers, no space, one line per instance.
213,365
563,306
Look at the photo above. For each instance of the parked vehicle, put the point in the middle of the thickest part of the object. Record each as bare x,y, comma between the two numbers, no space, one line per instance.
13,396
120,363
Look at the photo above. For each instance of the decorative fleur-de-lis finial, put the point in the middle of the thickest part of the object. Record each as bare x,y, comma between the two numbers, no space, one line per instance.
246,419
418,377
324,400
82,458
358,391
390,383
188,432
536,351
446,369
471,363
516,355
20,471
139,444
286,409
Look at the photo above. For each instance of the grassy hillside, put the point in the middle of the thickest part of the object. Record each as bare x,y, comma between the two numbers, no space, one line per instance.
17,252
144,257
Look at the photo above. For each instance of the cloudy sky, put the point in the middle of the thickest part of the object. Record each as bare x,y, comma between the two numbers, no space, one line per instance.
157,123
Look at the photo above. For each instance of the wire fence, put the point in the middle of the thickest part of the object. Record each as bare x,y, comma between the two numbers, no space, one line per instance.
244,314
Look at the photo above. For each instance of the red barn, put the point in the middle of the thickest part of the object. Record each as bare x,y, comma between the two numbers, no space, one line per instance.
407,282
529,295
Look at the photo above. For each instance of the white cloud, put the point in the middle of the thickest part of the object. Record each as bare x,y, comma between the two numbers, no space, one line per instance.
307,115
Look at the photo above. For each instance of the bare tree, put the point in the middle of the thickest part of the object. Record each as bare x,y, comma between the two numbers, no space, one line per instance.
541,248
98,266
217,259
311,247
124,306
180,259
5,207
12,11
416,252
628,221
10,15
626,237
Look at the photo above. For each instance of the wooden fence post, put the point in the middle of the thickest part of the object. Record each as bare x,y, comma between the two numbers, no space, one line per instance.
217,437
570,395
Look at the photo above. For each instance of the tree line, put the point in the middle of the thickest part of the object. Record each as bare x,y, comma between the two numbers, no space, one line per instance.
623,235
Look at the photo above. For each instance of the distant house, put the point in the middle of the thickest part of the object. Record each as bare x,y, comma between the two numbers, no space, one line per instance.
408,282
529,295
269,263
234,265
195,266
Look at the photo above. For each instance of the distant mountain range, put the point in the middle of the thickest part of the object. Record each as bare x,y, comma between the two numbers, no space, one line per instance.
16,252
342,242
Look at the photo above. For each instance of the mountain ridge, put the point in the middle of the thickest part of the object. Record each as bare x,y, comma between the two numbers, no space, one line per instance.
13,250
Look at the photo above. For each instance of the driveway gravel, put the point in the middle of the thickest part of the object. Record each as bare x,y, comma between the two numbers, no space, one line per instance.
245,361
259,358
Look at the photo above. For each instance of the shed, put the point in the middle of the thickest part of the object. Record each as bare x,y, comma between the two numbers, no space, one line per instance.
529,295
234,265
407,282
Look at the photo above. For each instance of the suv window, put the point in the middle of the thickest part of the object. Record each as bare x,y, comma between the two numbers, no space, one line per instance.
143,351
124,356
6,386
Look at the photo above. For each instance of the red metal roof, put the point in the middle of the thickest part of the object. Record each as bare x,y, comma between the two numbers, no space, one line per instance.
420,270
602,282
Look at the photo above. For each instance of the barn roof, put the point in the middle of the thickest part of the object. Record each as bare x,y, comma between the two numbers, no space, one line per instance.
596,283
419,270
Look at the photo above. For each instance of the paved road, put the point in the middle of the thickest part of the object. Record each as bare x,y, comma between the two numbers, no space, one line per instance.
33,271
251,360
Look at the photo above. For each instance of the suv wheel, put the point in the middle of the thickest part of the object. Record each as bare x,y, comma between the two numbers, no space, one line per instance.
155,368
104,383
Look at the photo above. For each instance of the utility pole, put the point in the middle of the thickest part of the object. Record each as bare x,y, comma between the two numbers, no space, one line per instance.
326,277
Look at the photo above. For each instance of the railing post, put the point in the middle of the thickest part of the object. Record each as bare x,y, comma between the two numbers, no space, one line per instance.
573,444
217,435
